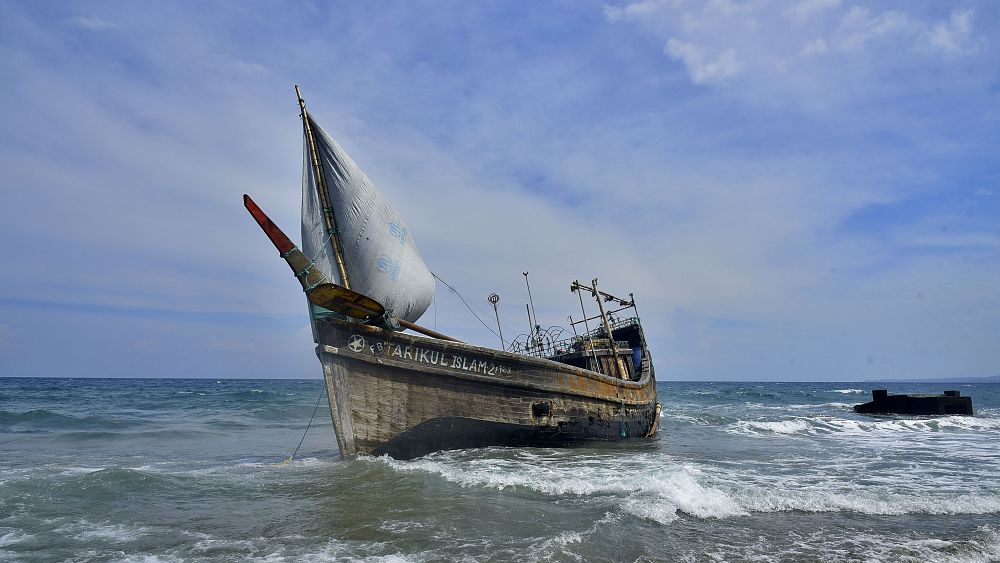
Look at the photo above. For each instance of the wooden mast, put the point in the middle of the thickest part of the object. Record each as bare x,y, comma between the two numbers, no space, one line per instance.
318,287
599,295
329,221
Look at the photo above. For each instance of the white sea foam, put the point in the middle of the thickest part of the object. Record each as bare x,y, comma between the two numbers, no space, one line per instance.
657,495
985,548
793,426
339,550
658,488
75,471
13,537
850,391
833,425
845,406
209,545
314,462
557,548
237,468
112,532
858,546
812,406
880,501
90,531
403,526
150,558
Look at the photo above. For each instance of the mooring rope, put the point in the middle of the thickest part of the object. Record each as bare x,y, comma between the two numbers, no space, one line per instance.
316,408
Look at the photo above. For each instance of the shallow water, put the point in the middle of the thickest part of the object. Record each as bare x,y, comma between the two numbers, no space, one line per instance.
165,470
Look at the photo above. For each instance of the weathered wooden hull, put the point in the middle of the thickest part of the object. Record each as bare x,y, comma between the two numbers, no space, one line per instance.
405,396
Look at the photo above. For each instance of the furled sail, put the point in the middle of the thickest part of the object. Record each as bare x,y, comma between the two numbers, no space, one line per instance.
380,258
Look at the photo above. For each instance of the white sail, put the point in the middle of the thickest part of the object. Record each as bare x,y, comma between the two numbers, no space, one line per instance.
380,257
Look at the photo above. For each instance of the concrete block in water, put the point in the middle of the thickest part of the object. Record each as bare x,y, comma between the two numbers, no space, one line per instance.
950,402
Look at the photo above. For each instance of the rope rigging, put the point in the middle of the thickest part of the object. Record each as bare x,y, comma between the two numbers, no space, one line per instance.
467,306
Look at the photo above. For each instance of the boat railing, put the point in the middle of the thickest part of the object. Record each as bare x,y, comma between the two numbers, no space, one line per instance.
619,322
596,339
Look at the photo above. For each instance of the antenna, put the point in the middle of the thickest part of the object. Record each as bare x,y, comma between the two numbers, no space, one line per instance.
531,327
575,287
494,299
532,315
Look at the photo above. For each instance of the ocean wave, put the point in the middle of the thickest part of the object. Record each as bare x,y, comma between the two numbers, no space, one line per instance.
76,436
242,466
794,426
14,537
210,548
844,406
816,406
660,489
75,471
860,545
48,420
877,501
698,419
904,547
849,391
657,495
982,549
830,425
114,483
86,531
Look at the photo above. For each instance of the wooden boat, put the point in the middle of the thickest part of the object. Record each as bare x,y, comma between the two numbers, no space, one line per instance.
405,395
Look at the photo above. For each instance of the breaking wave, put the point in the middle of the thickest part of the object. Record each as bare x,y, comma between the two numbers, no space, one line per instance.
817,425
661,490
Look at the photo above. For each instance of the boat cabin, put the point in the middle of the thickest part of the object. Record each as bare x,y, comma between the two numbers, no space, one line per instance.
622,356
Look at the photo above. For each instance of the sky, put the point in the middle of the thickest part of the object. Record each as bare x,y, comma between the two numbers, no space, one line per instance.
792,190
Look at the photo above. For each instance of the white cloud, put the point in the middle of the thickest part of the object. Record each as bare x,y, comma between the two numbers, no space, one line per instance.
92,23
954,36
814,47
811,8
248,67
631,11
728,8
767,51
703,68
860,27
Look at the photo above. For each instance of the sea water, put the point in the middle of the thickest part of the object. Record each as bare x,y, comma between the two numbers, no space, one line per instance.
188,470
